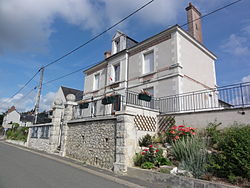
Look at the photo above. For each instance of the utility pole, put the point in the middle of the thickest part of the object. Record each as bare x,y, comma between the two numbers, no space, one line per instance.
39,94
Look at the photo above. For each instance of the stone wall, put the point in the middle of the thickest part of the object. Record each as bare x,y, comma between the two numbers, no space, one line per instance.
92,141
39,143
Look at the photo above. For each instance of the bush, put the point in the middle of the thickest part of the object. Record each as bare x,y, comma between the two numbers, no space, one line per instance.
18,133
191,152
145,141
213,133
152,155
147,165
233,156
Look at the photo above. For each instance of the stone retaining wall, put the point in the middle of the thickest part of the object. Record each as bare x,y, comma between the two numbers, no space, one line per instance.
92,141
172,181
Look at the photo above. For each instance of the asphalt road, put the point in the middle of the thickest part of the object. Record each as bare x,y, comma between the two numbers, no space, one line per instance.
23,169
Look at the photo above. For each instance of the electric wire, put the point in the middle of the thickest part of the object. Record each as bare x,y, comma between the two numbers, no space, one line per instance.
100,34
84,68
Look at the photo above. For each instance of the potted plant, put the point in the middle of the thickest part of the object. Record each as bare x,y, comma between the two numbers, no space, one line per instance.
145,96
83,104
108,99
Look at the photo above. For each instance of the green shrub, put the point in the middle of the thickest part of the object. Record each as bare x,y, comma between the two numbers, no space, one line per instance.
233,156
17,133
191,152
213,133
138,159
147,165
145,141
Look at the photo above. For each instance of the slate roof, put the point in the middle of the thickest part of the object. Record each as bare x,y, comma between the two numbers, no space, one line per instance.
76,92
42,117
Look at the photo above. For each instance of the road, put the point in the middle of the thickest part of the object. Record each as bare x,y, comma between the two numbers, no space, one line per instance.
23,169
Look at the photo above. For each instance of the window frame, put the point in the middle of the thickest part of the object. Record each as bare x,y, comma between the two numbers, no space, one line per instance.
151,51
94,82
34,133
114,72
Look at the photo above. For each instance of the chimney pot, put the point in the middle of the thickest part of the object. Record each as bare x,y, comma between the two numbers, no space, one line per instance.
107,54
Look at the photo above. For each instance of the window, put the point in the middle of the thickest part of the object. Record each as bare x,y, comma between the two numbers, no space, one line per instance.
96,81
34,132
148,63
117,72
45,132
117,45
94,109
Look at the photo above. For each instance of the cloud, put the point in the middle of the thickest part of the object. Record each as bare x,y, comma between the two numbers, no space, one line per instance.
246,79
246,29
236,45
27,25
23,103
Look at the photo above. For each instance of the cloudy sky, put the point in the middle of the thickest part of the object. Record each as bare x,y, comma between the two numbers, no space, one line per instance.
34,33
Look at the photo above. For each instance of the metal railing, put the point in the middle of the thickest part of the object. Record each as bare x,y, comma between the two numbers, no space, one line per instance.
96,108
132,98
232,96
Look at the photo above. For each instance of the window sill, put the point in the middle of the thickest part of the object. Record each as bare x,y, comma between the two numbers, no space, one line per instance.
147,74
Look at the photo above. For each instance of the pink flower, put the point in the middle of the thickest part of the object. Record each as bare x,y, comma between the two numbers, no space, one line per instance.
176,137
193,133
172,132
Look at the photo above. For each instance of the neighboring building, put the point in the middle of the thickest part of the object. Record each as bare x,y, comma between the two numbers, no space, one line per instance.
64,91
11,116
169,63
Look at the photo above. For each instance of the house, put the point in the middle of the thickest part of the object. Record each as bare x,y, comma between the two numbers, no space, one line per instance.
64,91
11,116
169,63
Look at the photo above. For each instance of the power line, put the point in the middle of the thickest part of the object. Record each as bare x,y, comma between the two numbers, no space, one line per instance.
100,34
82,45
84,68
205,15
26,84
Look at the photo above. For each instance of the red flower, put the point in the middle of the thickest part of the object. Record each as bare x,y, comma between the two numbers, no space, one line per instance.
150,146
176,137
145,150
143,153
172,132
181,126
156,150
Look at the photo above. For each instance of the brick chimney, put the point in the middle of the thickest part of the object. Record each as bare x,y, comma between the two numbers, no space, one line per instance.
194,27
107,54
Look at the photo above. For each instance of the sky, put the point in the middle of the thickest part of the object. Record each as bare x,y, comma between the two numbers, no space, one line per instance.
34,33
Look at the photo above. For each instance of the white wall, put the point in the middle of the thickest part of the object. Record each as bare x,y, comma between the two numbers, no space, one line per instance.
13,117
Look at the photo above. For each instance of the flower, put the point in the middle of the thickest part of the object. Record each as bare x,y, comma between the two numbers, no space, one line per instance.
150,146
176,137
143,153
145,150
172,132
181,126
157,151
193,133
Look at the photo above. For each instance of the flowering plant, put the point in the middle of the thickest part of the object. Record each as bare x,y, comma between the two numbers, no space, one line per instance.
177,132
154,155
